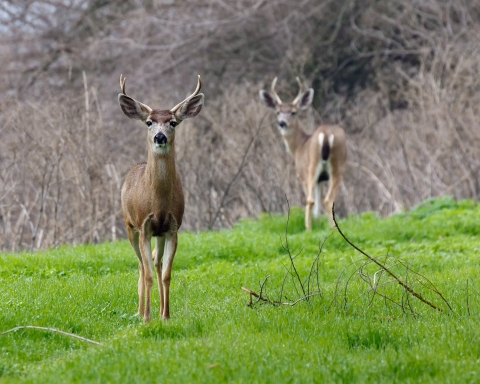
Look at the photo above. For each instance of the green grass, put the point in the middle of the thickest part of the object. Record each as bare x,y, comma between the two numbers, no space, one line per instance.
344,335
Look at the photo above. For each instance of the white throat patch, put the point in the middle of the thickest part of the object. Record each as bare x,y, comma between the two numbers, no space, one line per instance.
161,149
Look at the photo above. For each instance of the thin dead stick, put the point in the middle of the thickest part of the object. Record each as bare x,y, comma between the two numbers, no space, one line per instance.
237,174
51,330
252,293
278,303
432,287
287,249
405,286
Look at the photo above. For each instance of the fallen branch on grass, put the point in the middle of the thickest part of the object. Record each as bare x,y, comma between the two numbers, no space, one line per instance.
391,274
375,283
252,293
51,330
273,302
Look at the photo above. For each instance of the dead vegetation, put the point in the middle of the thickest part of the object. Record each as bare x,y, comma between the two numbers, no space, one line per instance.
401,76
387,279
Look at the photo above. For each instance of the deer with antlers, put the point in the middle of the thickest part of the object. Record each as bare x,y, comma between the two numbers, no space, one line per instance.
152,196
319,158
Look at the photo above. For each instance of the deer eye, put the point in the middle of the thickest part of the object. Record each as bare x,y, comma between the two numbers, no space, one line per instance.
293,113
149,123
173,124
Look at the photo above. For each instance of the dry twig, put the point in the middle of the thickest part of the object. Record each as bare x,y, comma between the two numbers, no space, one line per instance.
51,330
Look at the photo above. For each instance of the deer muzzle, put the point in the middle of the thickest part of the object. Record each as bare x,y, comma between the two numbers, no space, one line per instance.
160,139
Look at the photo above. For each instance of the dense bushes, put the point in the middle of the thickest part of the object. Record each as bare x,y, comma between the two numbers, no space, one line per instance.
401,76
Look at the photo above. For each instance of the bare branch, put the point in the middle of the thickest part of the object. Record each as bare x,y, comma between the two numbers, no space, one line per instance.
386,269
51,330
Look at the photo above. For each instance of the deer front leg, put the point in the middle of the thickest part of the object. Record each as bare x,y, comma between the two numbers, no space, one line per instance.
133,237
146,252
141,289
171,241
157,262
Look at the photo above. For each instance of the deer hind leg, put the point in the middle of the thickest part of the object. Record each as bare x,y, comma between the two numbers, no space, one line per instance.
333,187
171,241
309,205
318,200
146,260
157,262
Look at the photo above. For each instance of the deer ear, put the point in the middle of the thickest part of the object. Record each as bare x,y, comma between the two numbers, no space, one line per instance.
268,99
190,108
133,108
306,99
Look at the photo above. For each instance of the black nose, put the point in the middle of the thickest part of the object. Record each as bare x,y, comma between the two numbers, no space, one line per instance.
282,124
160,139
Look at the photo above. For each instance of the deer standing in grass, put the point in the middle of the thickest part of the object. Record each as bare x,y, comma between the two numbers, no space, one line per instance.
319,158
152,196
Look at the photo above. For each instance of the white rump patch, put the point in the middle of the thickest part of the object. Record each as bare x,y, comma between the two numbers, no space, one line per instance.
322,164
330,141
321,136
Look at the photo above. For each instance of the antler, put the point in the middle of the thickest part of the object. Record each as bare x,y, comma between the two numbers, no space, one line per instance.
122,84
297,98
195,93
277,98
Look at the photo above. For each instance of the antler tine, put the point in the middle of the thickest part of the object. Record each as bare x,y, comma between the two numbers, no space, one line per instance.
195,93
122,84
300,86
277,98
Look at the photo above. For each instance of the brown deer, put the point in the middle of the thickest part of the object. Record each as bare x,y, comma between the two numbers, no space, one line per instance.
320,157
152,196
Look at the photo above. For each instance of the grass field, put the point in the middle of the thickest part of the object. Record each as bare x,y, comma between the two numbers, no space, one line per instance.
349,333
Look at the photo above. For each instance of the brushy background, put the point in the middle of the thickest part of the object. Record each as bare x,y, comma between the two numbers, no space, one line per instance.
402,76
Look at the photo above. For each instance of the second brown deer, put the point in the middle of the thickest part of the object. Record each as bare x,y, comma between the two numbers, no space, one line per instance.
319,157
152,196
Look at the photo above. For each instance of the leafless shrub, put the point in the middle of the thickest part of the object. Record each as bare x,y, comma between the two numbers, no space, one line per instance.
60,186
372,279
294,288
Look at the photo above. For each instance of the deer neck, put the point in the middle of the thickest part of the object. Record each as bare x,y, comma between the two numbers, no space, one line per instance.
296,139
161,172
